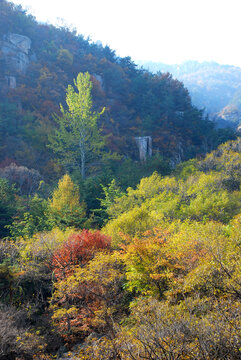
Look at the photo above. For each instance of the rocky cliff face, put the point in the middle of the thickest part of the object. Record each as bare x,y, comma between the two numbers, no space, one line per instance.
144,145
14,50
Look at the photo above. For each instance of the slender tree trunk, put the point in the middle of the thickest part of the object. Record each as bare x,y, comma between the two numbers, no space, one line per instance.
82,159
83,166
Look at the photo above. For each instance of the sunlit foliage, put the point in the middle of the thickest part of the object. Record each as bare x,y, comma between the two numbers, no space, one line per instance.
65,206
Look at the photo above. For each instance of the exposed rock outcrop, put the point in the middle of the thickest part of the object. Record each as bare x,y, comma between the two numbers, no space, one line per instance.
11,82
14,60
15,49
144,144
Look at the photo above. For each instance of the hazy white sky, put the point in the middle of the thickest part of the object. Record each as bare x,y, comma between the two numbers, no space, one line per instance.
169,31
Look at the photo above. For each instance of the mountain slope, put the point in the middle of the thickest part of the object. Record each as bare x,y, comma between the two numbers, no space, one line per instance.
38,61
212,86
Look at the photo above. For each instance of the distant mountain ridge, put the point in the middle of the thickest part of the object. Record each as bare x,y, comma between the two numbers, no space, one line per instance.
212,86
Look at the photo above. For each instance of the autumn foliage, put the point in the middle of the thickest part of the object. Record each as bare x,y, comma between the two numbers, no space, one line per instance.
166,285
78,250
160,279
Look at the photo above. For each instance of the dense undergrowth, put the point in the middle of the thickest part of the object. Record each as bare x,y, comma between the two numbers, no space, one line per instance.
160,280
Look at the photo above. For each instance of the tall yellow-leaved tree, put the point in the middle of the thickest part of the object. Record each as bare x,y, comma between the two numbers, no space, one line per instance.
65,206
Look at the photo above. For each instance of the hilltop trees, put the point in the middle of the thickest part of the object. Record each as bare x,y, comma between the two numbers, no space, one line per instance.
137,102
78,139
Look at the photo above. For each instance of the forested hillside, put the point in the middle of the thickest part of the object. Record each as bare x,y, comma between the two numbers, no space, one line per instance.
137,103
119,207
212,86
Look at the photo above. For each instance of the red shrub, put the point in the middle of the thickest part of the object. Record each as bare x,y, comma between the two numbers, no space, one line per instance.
78,250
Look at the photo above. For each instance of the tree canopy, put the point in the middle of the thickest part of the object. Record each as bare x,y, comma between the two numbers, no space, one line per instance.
78,139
